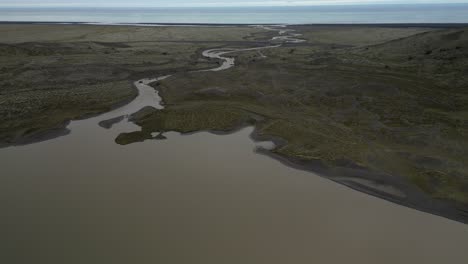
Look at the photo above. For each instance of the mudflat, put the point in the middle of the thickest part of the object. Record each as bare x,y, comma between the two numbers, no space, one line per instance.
382,109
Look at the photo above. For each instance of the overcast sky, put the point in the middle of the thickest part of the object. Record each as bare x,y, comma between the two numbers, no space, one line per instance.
203,3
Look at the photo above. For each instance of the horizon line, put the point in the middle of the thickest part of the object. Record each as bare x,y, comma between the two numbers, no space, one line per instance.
219,6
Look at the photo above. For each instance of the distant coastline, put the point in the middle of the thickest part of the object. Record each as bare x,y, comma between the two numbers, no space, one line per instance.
430,25
331,14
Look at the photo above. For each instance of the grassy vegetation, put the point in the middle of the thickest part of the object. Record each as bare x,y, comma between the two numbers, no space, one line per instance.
53,73
213,117
115,34
391,100
390,107
29,113
356,35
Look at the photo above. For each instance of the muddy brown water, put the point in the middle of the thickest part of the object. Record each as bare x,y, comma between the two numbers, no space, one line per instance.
201,198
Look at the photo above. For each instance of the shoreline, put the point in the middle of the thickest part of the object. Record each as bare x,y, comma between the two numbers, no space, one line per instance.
61,129
342,173
430,25
345,174
414,198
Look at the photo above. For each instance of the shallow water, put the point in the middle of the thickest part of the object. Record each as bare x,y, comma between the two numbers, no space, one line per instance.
201,198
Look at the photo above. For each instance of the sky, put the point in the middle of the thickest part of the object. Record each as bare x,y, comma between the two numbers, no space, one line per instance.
202,3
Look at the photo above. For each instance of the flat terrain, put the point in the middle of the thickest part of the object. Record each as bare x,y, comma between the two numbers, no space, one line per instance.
53,73
381,109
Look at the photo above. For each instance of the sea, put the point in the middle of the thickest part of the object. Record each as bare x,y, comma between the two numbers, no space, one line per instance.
337,14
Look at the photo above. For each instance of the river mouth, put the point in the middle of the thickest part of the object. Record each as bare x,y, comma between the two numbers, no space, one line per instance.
197,198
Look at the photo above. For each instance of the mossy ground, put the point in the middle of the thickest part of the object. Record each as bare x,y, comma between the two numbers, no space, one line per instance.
393,100
387,107
50,74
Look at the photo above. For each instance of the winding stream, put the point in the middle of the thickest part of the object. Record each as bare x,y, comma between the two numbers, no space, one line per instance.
201,198
148,96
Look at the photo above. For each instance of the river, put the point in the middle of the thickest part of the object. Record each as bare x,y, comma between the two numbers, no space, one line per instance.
200,198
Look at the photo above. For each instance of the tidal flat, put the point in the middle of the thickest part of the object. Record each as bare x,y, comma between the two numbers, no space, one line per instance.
381,109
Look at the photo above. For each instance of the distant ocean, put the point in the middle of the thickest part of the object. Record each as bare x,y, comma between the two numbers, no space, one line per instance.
410,13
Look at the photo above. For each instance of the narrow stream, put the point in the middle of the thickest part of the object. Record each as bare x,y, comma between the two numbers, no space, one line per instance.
201,198
148,96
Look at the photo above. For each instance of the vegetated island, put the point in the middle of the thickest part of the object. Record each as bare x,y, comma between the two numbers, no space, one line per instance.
380,108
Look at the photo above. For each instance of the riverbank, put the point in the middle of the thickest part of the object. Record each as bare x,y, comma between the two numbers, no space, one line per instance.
66,198
366,135
51,74
342,101
393,188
